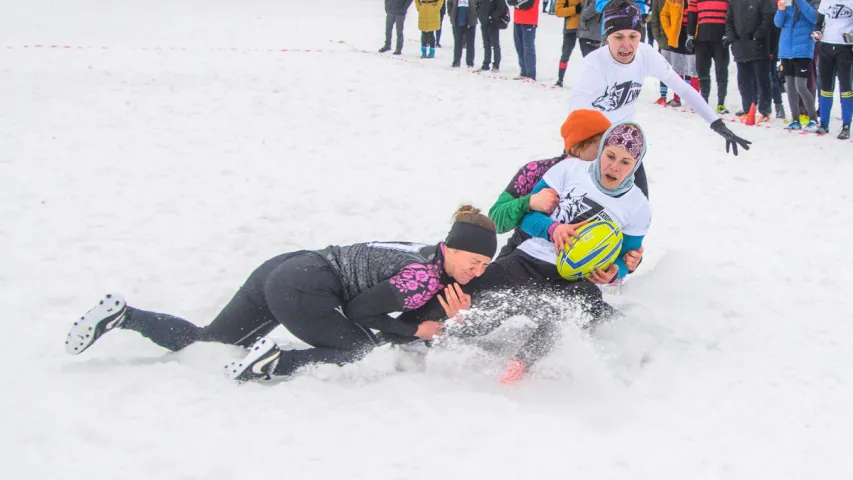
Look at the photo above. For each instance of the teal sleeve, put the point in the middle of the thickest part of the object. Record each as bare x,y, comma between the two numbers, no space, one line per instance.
629,242
536,224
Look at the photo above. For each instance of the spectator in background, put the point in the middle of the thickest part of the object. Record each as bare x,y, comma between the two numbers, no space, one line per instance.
525,18
570,10
673,20
441,13
834,29
492,15
395,14
463,17
796,48
589,29
663,44
429,20
748,24
775,79
709,24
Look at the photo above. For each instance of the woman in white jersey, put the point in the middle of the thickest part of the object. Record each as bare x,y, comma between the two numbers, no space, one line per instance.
834,29
526,281
611,78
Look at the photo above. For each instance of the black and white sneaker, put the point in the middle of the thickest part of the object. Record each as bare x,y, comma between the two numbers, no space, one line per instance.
108,314
259,364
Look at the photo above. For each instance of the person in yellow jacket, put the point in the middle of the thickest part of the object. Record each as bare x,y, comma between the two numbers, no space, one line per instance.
571,11
429,21
673,22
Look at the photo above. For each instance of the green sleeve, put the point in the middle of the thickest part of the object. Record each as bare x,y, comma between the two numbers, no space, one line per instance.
508,211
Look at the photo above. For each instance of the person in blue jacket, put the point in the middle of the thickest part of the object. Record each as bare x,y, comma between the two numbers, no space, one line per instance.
796,48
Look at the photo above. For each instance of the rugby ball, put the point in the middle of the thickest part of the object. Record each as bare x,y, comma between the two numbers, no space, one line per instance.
597,246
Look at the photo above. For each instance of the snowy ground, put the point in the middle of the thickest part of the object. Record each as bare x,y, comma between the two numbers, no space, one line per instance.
179,147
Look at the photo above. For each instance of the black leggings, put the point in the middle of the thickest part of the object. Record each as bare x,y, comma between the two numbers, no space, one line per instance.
297,290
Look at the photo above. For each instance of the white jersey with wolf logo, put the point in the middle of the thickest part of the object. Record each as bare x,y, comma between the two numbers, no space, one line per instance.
839,20
580,200
612,88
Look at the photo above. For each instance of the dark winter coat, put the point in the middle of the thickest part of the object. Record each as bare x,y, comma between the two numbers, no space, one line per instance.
657,29
397,7
453,10
490,10
797,23
748,25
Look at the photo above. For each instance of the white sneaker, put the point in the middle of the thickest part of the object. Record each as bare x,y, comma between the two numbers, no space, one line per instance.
259,364
108,314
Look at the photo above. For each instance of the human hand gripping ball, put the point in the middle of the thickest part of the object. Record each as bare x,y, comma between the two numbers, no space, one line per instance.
565,233
544,201
732,140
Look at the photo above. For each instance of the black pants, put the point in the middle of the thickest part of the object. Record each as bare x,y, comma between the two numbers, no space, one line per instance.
390,22
491,42
750,75
588,46
428,39
570,37
706,52
297,290
441,14
836,61
463,37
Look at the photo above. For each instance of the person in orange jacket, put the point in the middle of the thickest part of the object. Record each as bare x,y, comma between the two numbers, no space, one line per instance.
571,11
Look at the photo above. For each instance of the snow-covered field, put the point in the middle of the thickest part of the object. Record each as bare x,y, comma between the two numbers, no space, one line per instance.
174,147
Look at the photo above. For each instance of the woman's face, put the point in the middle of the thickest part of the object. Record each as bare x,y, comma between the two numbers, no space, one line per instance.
616,164
464,266
623,45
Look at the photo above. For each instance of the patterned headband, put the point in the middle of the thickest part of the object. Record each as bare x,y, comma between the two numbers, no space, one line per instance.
627,137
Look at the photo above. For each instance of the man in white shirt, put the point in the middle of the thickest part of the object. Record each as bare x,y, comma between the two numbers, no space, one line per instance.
611,78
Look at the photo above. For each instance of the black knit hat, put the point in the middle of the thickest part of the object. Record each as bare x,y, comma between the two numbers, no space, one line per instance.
622,15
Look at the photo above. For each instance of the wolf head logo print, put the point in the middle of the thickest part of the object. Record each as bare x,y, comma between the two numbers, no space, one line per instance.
570,207
618,96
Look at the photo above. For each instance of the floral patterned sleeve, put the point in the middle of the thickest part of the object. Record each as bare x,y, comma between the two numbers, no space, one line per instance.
409,289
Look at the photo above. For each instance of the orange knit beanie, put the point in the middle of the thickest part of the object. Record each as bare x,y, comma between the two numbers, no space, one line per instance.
581,125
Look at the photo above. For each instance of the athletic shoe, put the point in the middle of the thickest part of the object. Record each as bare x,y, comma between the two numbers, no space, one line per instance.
559,84
397,52
454,65
722,110
259,364
108,314
673,103
385,49
513,372
484,68
780,111
496,68
811,127
821,130
660,101
762,118
795,125
740,113
845,133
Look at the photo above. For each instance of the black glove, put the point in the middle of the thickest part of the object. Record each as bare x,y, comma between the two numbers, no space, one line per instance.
732,140
689,44
579,7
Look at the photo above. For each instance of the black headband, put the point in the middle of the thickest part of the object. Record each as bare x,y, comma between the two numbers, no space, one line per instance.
472,238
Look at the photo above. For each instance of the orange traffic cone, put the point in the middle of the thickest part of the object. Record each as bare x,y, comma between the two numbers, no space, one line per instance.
750,117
